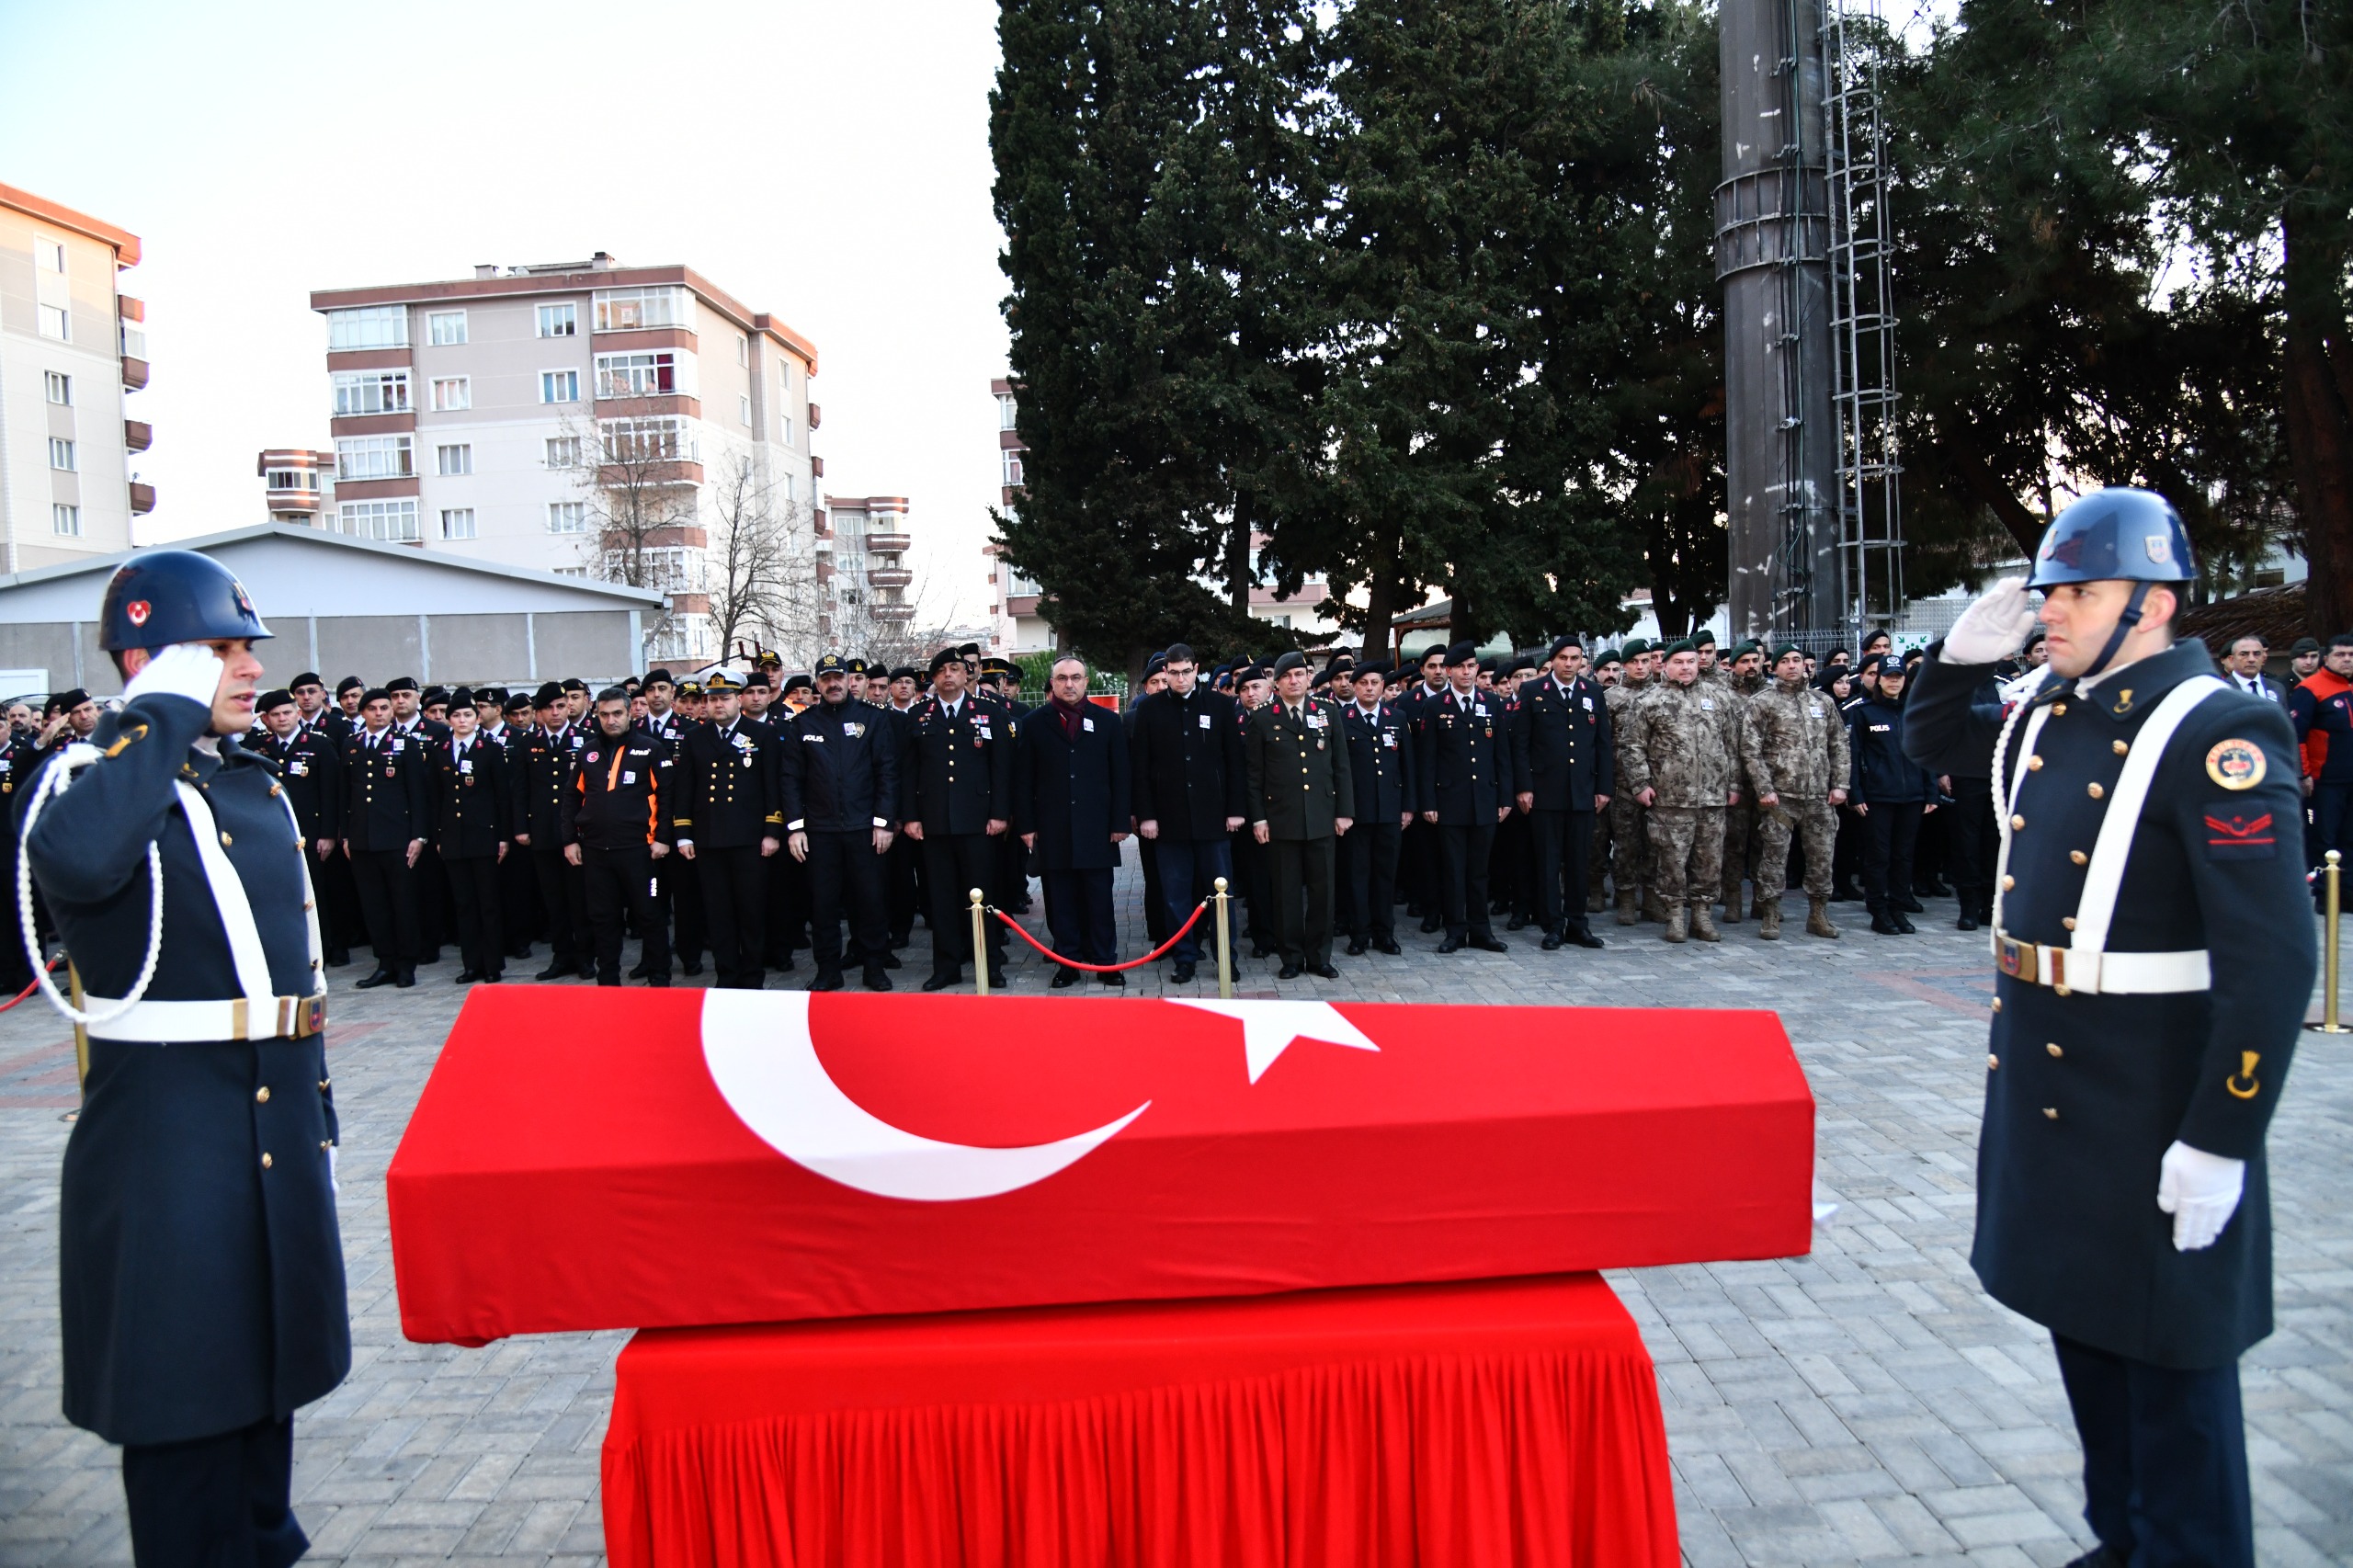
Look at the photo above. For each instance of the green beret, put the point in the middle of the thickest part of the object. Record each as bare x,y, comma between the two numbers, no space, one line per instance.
1703,638
1635,647
1681,646
1747,646
1608,656
1785,650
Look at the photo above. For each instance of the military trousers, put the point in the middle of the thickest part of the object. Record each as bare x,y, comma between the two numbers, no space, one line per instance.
387,885
563,893
845,880
678,885
1463,854
1688,853
1740,837
518,901
220,1502
1597,857
620,887
1369,882
1631,857
1560,840
2165,1459
953,865
734,879
902,874
1815,826
473,888
1973,845
1300,871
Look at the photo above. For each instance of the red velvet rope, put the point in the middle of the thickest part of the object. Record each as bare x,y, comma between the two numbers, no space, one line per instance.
31,986
1019,931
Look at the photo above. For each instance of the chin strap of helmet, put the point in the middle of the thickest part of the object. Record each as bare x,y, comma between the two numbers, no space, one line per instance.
2124,625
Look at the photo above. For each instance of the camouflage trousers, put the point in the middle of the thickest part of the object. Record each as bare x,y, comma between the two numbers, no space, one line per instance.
1687,850
1597,858
1740,833
1817,823
1630,844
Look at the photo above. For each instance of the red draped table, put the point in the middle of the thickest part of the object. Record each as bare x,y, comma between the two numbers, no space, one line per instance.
1494,1424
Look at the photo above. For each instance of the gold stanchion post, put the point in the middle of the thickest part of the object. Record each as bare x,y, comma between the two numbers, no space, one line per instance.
1224,946
980,945
81,1033
2328,1023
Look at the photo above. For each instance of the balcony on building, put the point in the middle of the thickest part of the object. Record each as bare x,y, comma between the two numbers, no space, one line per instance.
138,435
134,373
143,498
892,612
890,576
890,544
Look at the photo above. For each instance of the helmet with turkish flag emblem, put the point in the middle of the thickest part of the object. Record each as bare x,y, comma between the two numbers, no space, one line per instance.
2117,534
162,596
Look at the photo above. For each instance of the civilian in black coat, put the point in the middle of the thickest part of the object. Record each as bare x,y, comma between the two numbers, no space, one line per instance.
1381,765
1188,774
1561,752
473,824
1071,806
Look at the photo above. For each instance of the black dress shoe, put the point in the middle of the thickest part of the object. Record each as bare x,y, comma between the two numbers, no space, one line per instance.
1551,943
1449,946
1065,979
826,979
1490,945
1431,923
1356,947
996,979
337,959
1116,982
1579,936
1885,925
1262,952
1182,974
1391,949
404,979
1516,923
1288,971
1902,925
493,979
2097,1557
641,970
1967,922
1326,971
876,978
1910,906
691,967
382,976
1413,911
657,981
890,961
467,977
941,982
554,971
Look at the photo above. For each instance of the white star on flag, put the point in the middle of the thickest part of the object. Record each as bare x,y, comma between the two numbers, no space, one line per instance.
1268,1027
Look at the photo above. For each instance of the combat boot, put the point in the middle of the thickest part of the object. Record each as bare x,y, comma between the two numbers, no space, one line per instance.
1731,905
1652,908
1628,911
1596,901
1769,921
1817,918
1675,926
1701,926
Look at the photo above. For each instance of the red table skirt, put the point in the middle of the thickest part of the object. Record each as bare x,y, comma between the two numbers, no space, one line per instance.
1490,1424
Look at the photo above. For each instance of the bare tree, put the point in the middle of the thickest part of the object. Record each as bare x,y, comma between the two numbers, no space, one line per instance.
761,572
637,482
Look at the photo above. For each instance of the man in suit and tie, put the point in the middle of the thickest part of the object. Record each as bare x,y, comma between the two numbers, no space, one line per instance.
2243,669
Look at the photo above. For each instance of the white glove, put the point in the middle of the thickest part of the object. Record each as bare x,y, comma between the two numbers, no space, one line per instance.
1994,628
185,669
2200,1191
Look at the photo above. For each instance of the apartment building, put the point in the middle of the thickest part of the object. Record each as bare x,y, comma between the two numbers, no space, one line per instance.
72,348
591,418
1013,598
299,485
862,570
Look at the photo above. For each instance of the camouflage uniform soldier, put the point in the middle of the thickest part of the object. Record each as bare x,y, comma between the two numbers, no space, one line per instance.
1609,671
1793,741
1684,763
1630,844
1745,677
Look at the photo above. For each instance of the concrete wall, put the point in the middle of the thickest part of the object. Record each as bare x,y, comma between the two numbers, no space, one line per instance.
374,647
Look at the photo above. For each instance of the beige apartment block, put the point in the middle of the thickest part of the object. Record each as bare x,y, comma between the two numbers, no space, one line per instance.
72,347
862,552
588,418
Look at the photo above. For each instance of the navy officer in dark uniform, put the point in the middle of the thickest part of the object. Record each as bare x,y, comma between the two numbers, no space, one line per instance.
1561,750
2147,1008
200,1269
728,819
956,778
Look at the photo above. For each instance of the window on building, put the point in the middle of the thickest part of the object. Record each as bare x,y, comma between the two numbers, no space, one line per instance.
369,327
49,255
290,479
564,451
374,457
559,386
394,521
1005,413
637,375
443,328
661,439
61,454
569,571
628,310
134,341
451,394
60,387
457,522
560,321
65,519
784,428
452,460
1012,465
56,325
742,349
790,487
567,517
743,410
371,392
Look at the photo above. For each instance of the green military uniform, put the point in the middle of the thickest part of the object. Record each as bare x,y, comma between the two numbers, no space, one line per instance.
1793,746
1300,785
1685,748
1630,844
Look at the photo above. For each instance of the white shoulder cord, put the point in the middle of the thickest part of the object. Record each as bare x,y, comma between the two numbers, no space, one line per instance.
81,753
2006,789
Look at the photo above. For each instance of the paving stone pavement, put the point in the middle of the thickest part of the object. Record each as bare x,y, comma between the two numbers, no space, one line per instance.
1866,1402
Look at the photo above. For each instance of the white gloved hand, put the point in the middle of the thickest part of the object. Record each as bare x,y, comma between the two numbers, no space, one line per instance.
1994,628
185,669
2200,1191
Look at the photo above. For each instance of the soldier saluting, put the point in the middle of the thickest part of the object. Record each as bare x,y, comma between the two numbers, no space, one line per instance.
200,1269
2147,1008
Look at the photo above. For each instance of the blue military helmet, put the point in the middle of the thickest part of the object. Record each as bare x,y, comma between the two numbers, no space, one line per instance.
162,596
2119,534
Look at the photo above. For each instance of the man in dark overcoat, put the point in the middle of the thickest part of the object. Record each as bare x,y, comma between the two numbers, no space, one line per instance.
1070,806
1187,768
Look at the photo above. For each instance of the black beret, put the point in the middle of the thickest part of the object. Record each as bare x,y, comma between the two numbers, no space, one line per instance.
574,683
401,683
969,650
279,697
905,672
1286,662
308,678
1460,654
518,703
1154,665
944,657
1560,642
1522,665
798,683
374,693
547,696
432,695
349,683
462,698
658,673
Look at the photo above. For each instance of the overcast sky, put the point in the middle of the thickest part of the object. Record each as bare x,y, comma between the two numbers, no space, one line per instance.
825,163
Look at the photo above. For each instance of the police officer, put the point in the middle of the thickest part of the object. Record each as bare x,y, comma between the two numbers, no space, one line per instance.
1561,746
614,830
1464,778
199,1266
387,816
473,824
1300,795
956,779
729,819
1891,794
2146,1009
840,773
311,772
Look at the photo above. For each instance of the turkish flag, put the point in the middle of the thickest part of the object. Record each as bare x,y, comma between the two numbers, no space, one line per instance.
589,1159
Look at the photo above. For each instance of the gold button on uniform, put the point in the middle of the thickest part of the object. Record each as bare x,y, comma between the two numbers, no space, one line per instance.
1997,1003
2069,922
1991,1062
2016,822
2053,1049
262,1094
264,1160
2008,882
2034,764
2058,710
2079,856
2095,791
2119,747
226,841
2051,1112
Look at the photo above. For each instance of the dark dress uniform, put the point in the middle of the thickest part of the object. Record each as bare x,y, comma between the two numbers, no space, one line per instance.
613,811
1299,786
1189,776
548,759
840,778
1381,765
474,815
17,751
310,769
958,779
730,796
1563,753
902,868
2182,1030
1898,791
1462,770
1418,861
1071,790
200,1269
388,804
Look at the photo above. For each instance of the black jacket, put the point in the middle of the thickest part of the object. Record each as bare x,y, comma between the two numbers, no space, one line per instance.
1560,747
957,773
1187,770
1462,764
310,769
388,791
729,791
546,762
1884,775
1071,790
841,769
473,799
615,801
1380,762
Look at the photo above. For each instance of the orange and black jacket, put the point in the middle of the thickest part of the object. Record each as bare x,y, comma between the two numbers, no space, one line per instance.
615,801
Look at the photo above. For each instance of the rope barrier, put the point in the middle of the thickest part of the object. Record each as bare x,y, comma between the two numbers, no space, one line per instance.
32,986
1019,931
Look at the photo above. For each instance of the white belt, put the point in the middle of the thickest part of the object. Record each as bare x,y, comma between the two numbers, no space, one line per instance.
239,1017
2067,970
